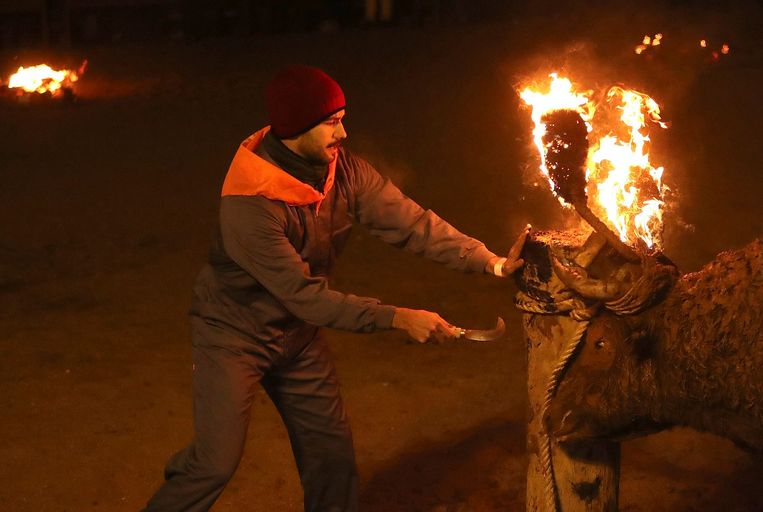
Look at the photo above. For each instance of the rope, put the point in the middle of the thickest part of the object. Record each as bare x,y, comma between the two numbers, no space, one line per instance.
582,314
552,499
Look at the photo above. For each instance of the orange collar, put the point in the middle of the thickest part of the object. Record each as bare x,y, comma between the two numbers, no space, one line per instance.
251,175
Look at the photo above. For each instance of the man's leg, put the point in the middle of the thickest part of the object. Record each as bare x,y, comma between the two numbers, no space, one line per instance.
224,377
306,393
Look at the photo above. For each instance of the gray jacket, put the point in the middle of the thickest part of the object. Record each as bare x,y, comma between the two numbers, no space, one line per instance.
267,273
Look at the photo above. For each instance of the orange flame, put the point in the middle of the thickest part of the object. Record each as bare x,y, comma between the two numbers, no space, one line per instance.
44,79
647,42
560,96
624,189
723,50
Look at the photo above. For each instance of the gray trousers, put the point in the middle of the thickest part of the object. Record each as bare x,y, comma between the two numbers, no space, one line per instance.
301,381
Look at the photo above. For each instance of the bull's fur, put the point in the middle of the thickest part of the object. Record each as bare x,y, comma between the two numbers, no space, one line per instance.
696,360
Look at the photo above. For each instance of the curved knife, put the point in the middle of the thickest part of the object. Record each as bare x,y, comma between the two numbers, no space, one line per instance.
482,335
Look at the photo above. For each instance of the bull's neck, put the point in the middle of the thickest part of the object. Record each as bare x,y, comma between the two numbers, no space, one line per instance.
691,378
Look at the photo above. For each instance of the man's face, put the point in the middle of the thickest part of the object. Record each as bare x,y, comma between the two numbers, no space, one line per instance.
320,145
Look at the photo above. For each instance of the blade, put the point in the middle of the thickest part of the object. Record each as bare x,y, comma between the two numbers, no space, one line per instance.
487,334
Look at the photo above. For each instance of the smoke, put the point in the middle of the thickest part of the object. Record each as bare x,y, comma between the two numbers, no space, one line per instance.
399,171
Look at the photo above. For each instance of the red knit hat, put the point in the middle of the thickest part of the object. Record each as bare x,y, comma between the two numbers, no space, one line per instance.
299,97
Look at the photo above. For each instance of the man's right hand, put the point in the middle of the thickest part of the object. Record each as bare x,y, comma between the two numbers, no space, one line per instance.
423,326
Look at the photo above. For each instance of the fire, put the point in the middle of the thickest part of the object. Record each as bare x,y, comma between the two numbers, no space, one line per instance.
647,42
623,187
559,97
44,79
716,54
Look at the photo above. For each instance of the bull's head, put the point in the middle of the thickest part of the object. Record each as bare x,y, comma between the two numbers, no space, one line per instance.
608,390
594,399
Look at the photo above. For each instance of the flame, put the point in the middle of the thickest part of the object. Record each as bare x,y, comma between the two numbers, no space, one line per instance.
628,188
723,50
44,79
560,96
624,189
647,42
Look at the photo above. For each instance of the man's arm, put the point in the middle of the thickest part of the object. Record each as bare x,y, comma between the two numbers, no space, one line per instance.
400,221
253,235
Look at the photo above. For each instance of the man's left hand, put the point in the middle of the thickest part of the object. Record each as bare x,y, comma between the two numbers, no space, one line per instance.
503,267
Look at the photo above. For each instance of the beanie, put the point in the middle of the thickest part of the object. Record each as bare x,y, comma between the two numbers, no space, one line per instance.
300,97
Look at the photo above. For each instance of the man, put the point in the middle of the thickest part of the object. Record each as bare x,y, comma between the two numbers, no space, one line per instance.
288,202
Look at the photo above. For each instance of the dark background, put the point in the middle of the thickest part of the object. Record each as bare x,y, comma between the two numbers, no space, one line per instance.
107,204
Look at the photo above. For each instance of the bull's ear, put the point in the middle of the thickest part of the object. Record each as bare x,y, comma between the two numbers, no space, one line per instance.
643,345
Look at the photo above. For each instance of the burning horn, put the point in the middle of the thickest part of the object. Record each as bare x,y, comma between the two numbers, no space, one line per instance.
566,140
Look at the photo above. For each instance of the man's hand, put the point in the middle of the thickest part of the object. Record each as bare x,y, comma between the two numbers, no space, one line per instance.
423,326
512,261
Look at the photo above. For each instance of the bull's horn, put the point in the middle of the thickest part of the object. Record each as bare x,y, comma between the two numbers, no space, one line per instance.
576,278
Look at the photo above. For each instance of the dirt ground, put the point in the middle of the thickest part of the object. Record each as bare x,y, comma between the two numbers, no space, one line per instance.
107,204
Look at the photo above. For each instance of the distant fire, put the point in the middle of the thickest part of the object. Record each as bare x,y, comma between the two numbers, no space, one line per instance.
724,50
648,42
623,187
42,79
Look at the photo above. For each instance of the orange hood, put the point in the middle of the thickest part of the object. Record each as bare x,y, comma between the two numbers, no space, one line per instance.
251,175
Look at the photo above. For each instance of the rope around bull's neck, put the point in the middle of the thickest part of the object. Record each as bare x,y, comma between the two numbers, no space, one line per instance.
582,315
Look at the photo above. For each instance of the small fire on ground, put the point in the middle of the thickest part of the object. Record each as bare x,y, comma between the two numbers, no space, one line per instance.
624,189
650,42
43,79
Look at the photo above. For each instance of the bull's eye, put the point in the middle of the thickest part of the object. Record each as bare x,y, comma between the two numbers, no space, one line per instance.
599,343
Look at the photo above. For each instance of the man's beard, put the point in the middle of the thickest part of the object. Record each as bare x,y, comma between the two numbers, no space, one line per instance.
321,158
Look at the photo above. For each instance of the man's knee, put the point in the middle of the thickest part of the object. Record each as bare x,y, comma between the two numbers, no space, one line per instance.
220,475
216,469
